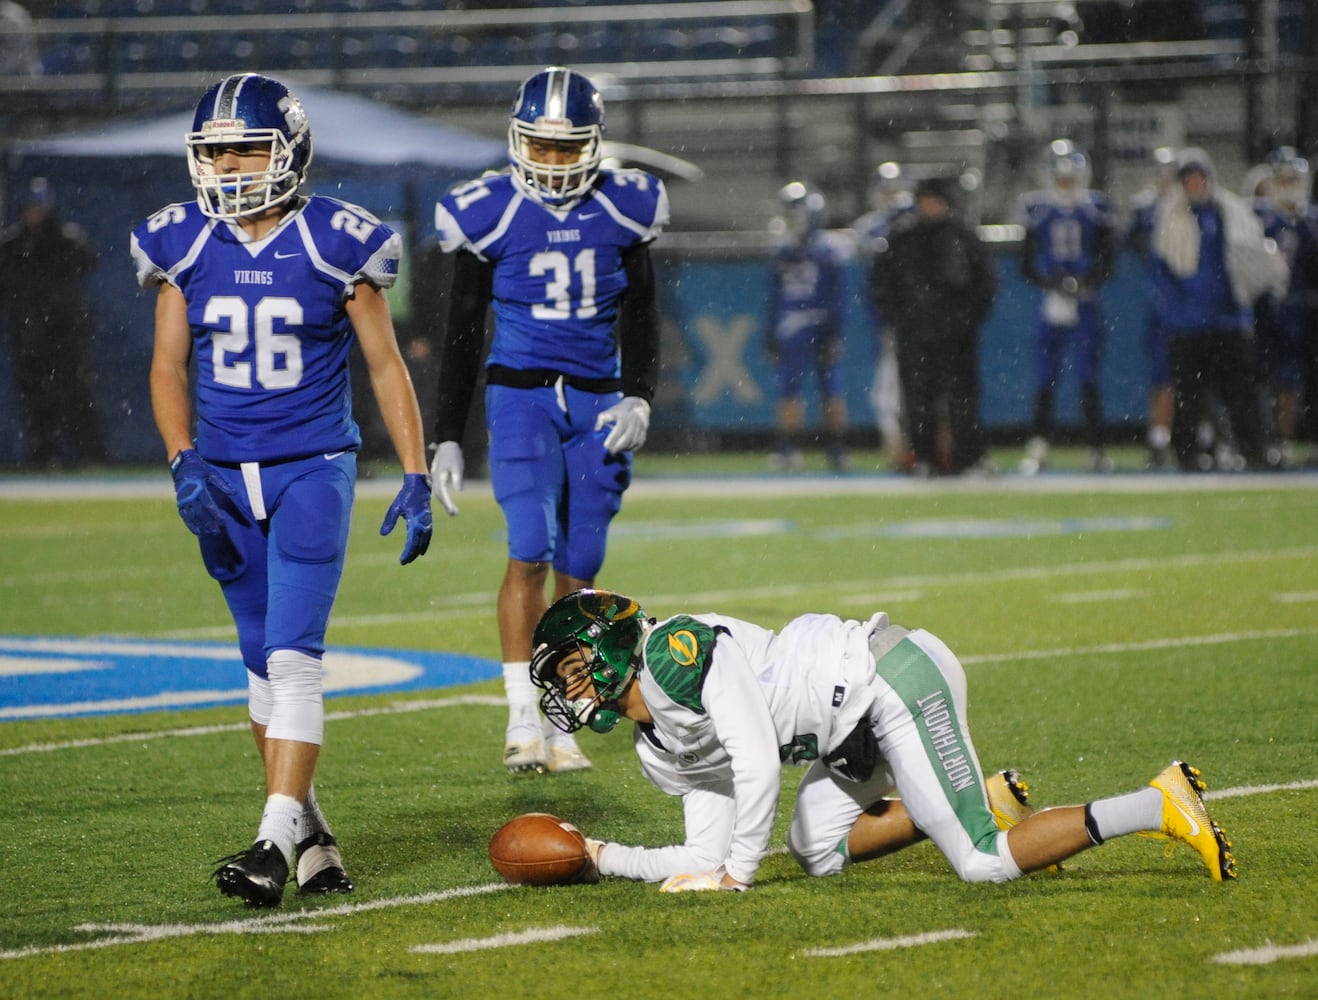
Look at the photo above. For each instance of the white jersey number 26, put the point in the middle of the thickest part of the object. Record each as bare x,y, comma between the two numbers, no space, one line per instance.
278,355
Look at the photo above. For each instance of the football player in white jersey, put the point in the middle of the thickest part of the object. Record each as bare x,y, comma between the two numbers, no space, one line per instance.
560,247
266,290
875,710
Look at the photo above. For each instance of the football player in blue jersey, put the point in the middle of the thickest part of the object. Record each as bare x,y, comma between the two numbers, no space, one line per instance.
1283,321
1138,238
265,290
1069,252
560,247
805,326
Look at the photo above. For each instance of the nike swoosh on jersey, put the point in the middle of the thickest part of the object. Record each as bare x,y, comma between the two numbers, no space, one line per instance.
1194,827
285,256
588,215
332,455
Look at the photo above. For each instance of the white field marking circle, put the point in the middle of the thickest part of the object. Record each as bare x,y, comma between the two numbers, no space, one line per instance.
1268,954
890,944
533,936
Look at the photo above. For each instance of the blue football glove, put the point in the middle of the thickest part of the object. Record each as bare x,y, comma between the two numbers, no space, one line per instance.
413,505
193,482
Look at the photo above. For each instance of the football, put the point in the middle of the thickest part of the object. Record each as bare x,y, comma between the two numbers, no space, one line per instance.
539,849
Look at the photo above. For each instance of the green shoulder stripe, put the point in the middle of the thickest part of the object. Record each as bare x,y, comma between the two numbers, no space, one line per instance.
677,655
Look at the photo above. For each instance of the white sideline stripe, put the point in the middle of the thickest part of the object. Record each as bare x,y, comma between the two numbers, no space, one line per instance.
396,708
129,486
890,944
276,923
1268,954
533,936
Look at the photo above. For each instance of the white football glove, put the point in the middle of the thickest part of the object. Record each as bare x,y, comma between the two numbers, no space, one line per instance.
446,475
630,417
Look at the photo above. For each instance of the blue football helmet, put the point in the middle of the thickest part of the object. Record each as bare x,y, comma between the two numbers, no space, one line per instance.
1288,184
248,109
556,105
891,189
803,208
588,637
1068,166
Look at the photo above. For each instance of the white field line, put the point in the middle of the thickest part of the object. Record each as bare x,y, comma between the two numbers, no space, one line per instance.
292,922
890,944
1105,649
140,486
533,936
276,923
460,605
1268,954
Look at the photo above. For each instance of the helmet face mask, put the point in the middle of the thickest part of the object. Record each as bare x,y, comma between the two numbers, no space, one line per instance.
586,650
247,112
555,136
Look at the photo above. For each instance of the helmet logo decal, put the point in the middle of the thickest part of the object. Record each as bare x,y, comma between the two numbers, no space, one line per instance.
683,648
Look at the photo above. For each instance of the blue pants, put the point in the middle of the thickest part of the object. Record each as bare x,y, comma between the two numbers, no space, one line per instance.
280,557
557,486
1085,340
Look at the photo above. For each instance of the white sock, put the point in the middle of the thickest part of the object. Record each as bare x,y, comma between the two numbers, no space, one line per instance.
313,820
522,694
1123,814
281,823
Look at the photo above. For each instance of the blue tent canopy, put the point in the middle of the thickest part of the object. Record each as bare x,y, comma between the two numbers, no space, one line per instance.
111,176
348,132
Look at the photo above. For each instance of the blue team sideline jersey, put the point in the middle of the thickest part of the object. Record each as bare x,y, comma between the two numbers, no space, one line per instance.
807,287
1069,234
558,274
270,333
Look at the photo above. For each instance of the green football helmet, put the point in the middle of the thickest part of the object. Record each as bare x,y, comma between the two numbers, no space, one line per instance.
607,630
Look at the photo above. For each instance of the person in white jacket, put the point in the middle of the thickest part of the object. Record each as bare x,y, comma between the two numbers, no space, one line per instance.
876,710
1211,262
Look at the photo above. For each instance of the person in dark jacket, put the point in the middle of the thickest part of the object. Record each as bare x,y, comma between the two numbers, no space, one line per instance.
936,282
43,262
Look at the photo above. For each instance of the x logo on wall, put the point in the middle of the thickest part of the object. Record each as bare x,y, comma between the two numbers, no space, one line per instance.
724,346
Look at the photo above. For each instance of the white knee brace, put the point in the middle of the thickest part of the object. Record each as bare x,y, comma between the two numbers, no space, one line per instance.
296,686
259,700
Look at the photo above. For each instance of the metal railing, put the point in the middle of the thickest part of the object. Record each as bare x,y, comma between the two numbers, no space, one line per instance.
108,60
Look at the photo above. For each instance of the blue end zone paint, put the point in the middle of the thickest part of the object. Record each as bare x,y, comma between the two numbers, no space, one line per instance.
50,677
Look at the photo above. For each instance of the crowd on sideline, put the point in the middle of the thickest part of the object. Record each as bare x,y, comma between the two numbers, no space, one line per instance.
1230,308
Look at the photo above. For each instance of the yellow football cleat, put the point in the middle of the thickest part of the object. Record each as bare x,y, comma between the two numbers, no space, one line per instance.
1009,801
1008,797
1184,818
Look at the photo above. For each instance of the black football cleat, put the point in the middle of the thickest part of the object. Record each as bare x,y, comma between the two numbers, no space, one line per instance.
256,875
320,867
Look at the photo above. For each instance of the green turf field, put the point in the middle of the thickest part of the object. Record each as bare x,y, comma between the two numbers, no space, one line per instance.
1106,627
